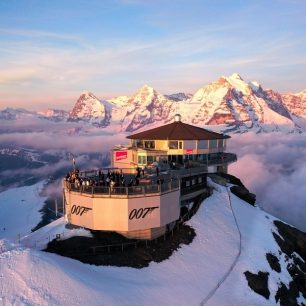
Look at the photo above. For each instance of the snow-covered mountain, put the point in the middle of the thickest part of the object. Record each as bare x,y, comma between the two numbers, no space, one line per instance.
240,255
145,107
14,113
229,104
54,114
296,103
240,105
89,108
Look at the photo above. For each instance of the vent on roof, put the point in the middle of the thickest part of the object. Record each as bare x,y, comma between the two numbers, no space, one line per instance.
177,118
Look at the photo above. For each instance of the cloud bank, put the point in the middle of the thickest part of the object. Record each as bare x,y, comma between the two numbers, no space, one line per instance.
51,136
273,166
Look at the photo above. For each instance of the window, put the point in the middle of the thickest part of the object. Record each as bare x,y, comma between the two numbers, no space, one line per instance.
203,144
139,143
173,145
149,144
151,159
180,145
142,160
213,143
220,143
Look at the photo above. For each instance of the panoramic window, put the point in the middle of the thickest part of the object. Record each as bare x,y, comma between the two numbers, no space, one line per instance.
203,144
213,143
220,143
149,144
173,145
151,159
142,160
139,143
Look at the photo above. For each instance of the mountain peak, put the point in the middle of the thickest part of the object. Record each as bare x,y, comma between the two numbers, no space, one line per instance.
145,93
146,88
87,94
235,76
88,105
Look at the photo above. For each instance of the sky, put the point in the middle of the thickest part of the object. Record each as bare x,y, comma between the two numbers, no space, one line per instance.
52,51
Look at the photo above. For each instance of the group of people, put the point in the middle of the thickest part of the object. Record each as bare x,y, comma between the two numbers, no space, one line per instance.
110,179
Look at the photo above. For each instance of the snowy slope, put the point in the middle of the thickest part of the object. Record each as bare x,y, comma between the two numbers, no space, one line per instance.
20,210
188,277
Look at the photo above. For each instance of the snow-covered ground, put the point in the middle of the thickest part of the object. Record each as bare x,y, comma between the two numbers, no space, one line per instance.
32,277
19,211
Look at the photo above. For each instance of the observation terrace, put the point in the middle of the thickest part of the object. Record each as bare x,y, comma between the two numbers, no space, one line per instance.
168,179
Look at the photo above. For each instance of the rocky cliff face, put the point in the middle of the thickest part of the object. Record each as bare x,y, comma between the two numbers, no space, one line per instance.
296,103
90,109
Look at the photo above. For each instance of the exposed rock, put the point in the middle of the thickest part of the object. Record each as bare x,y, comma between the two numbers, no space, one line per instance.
120,251
244,194
273,262
295,238
292,242
287,296
286,248
231,179
301,264
258,282
298,278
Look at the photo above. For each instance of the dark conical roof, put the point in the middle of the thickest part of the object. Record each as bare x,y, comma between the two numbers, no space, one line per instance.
178,131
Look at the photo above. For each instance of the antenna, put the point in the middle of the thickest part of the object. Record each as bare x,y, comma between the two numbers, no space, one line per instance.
177,107
73,161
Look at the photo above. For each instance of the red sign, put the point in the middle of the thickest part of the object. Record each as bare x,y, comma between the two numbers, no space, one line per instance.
119,155
189,151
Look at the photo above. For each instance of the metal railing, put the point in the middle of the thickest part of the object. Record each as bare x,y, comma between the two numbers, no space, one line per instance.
214,159
124,191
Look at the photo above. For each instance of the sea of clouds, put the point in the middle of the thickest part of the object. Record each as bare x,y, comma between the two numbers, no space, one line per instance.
273,166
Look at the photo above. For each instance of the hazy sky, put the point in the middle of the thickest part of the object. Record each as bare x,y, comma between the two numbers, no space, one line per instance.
51,51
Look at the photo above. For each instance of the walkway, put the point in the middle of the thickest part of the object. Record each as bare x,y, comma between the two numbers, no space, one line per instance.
228,272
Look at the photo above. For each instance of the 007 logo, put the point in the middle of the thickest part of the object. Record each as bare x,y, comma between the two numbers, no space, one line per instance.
79,210
141,212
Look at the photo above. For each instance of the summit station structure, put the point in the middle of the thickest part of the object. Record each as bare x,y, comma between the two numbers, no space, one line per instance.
161,171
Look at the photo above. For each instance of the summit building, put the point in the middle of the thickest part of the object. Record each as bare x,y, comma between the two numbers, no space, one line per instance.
159,174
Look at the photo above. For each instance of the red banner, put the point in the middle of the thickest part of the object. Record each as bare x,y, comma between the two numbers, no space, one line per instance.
189,151
119,155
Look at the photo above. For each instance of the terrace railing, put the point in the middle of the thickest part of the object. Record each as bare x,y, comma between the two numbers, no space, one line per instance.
142,190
